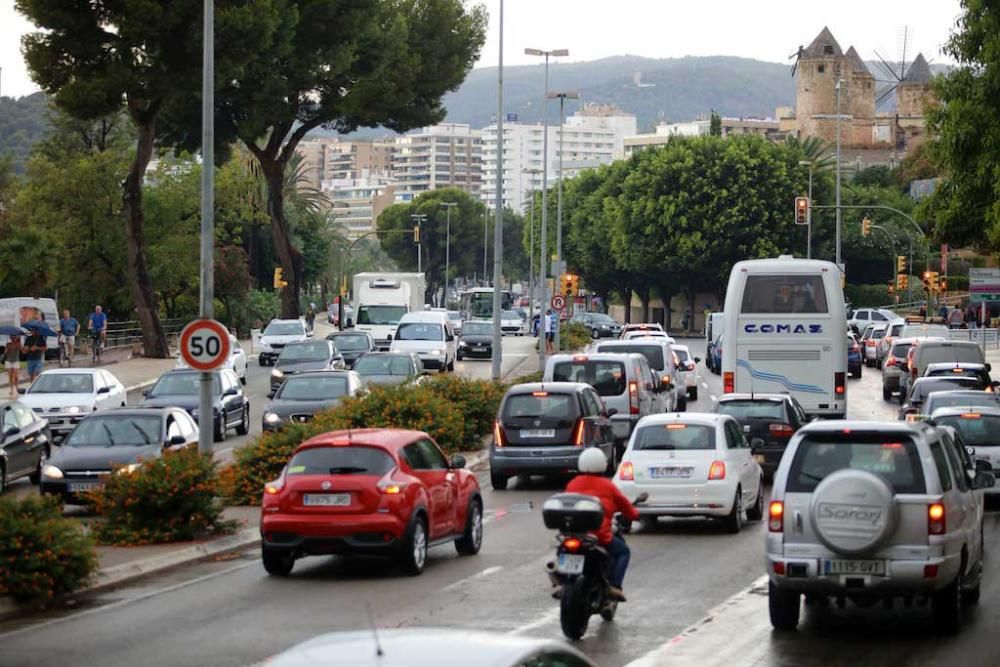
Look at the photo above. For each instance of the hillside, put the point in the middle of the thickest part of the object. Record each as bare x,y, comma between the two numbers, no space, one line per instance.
23,121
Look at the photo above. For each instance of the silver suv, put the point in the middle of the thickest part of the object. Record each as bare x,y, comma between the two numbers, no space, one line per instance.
871,511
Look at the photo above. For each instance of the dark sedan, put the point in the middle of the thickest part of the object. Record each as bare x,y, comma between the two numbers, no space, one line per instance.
389,368
25,443
230,406
352,344
303,395
112,438
476,341
769,422
854,358
308,355
599,324
921,388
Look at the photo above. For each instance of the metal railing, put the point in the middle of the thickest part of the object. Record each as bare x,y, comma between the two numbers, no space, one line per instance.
992,336
125,334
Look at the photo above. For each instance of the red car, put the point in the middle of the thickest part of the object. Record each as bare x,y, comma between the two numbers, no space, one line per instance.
371,491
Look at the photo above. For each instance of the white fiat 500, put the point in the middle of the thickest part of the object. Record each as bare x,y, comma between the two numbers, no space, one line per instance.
692,464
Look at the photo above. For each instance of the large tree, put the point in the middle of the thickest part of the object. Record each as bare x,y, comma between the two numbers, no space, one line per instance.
344,64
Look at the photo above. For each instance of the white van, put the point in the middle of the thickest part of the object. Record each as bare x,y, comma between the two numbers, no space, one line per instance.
17,310
428,333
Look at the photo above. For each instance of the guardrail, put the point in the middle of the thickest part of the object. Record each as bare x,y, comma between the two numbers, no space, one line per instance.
125,334
976,336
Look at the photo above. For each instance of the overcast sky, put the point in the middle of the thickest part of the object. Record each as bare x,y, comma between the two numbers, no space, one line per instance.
590,29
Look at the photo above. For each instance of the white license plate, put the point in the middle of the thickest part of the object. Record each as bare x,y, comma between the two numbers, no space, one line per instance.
80,487
327,499
538,433
872,567
670,472
759,458
479,348
569,564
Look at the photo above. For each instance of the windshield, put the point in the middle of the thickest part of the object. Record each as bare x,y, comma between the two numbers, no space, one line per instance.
607,377
112,431
792,293
306,388
284,329
349,342
383,364
179,384
976,429
601,318
305,352
352,460
892,457
477,328
675,437
900,350
751,409
63,383
381,315
419,331
653,353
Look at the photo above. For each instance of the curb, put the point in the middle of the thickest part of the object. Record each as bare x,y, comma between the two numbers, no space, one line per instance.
119,574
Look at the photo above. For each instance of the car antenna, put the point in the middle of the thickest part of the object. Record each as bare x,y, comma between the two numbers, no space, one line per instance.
371,620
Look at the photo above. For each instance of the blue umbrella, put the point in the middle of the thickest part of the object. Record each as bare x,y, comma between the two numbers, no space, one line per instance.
11,331
39,328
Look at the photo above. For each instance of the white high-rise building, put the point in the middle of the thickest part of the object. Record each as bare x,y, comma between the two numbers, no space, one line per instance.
449,155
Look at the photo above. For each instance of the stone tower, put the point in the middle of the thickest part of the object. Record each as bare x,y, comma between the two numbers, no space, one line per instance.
914,89
860,87
821,64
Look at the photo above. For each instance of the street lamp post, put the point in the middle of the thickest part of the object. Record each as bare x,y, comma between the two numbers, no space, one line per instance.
207,270
531,248
419,218
448,205
543,272
497,355
562,96
486,239
809,225
839,266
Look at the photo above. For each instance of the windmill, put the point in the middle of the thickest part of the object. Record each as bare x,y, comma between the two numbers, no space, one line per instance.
796,56
892,73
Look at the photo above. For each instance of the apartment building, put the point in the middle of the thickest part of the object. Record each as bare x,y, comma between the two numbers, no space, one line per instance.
449,155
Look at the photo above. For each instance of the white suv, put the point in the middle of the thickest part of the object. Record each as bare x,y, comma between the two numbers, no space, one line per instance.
871,511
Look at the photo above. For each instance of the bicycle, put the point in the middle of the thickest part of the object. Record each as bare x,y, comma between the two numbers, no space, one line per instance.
65,360
96,346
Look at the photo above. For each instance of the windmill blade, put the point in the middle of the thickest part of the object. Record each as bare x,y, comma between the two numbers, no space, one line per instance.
884,94
887,68
902,58
795,66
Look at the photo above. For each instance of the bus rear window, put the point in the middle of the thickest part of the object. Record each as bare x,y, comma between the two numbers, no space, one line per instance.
773,294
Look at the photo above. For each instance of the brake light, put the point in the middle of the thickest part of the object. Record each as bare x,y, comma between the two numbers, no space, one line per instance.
840,383
571,544
578,433
274,488
936,522
540,394
971,415
498,437
717,470
728,383
391,487
891,361
633,398
776,516
780,430
626,472
579,357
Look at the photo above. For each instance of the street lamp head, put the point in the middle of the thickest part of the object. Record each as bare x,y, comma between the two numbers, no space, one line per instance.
534,52
560,52
540,52
566,95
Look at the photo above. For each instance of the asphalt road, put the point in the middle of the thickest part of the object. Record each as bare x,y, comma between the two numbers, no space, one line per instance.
230,612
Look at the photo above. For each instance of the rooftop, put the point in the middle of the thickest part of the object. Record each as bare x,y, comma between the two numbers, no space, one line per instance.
919,71
823,46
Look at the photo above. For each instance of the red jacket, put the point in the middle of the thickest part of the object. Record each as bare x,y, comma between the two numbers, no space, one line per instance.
612,499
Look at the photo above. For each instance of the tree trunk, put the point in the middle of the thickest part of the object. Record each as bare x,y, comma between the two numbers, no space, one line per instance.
643,293
288,254
154,340
626,295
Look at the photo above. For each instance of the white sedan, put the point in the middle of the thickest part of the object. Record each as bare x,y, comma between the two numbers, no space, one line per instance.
687,367
692,464
647,333
511,323
237,361
64,396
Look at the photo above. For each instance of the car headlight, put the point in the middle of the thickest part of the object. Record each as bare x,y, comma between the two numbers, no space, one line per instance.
437,352
277,374
75,409
463,344
271,418
128,470
52,472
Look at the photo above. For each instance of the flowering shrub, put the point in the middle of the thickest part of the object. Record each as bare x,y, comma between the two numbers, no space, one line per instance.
261,461
173,498
43,554
477,402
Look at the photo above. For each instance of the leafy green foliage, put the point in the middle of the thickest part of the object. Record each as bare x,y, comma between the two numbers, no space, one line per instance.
573,336
43,554
477,401
23,122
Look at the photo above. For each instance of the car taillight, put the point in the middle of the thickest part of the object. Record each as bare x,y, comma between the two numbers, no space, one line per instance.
498,436
274,488
633,398
936,524
571,543
578,432
776,516
717,470
728,383
891,361
780,430
839,383
391,487
626,472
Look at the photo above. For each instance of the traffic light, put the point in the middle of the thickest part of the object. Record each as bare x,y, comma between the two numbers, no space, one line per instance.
866,227
574,284
927,281
564,284
943,284
900,263
934,281
902,281
278,281
892,289
416,234
802,210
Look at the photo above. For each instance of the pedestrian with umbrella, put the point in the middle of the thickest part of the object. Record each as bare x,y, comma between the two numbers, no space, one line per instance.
12,356
35,346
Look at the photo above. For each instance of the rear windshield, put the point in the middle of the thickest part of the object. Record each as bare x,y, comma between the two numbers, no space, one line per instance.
958,372
931,354
544,405
675,437
976,429
682,355
893,457
900,350
315,388
349,342
745,410
950,399
795,293
653,353
353,460
925,387
607,377
878,334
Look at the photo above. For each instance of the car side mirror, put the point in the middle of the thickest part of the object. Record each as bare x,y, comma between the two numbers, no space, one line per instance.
983,466
988,367
697,360
270,394
612,412
176,441
22,390
104,390
145,393
984,480
232,391
458,461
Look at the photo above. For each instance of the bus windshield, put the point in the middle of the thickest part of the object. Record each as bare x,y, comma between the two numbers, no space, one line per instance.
792,293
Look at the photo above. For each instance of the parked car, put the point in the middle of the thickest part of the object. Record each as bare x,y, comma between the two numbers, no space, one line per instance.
511,323
230,406
303,395
871,341
540,428
352,344
378,491
277,334
979,429
122,437
25,443
476,340
862,317
236,362
600,325
968,399
390,368
64,396
687,366
912,407
429,335
917,534
660,355
768,421
694,464
333,315
310,355
854,358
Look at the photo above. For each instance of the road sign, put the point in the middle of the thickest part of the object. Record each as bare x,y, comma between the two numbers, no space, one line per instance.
984,284
204,344
558,301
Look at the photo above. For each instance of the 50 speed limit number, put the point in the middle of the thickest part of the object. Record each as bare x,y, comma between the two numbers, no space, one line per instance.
205,344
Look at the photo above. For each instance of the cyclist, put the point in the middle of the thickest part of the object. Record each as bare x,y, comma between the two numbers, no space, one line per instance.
98,324
69,327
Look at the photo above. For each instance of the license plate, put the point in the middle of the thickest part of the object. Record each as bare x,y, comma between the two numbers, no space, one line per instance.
479,348
538,433
302,419
80,487
326,499
670,472
873,567
569,564
759,458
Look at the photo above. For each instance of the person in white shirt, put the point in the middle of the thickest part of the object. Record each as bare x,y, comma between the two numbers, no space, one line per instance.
548,326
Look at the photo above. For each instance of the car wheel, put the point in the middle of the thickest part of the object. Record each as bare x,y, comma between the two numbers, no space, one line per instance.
856,374
277,562
612,461
472,539
886,393
260,360
43,458
946,607
971,595
244,426
498,482
693,393
649,523
784,607
595,334
756,513
243,378
734,520
413,554
219,428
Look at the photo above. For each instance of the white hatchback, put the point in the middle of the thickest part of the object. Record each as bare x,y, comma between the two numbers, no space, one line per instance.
64,396
692,464
237,361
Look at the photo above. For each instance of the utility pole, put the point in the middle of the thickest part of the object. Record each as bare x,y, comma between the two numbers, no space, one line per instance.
207,272
839,264
497,351
447,247
419,218
562,114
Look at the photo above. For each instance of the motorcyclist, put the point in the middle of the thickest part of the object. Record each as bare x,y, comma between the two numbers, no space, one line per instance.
591,481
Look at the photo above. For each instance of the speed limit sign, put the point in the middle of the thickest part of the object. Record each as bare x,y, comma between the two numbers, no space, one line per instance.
204,345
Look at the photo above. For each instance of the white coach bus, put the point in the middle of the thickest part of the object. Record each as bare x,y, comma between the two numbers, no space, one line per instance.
786,332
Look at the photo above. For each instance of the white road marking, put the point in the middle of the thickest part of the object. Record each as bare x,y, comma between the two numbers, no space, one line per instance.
550,616
478,575
705,385
714,398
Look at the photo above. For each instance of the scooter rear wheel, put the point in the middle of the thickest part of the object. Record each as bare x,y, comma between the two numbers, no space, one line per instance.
608,611
574,609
